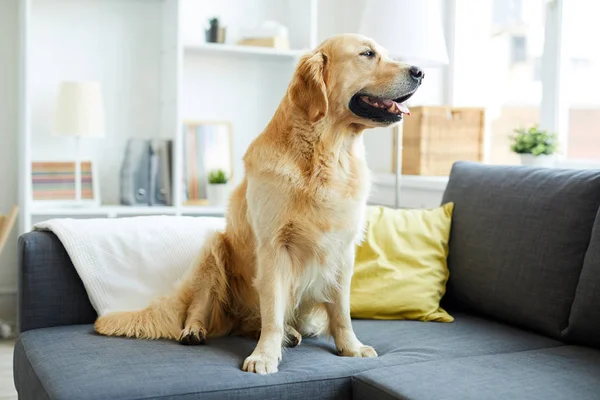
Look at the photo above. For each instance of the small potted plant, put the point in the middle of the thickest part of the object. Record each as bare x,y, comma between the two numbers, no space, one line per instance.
535,146
217,188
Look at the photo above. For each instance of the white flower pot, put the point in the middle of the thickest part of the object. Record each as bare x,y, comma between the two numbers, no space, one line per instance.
217,194
538,161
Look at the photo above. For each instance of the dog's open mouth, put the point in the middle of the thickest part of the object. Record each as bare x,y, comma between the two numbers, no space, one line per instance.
390,106
379,109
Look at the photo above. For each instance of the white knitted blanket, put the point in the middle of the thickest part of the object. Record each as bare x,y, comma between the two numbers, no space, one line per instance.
125,263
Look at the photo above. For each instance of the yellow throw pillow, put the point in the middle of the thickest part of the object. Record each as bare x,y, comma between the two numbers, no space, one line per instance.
400,270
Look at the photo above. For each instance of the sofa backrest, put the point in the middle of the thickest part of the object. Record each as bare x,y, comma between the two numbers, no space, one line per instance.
518,241
584,321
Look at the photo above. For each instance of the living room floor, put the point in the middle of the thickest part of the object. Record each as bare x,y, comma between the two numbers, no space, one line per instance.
7,386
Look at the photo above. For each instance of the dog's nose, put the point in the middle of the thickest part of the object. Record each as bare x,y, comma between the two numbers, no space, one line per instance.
416,73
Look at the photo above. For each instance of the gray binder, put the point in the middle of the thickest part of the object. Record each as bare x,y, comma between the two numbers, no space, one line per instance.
135,173
160,172
146,175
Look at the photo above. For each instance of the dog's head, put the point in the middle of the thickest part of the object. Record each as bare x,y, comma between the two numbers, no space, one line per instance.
350,78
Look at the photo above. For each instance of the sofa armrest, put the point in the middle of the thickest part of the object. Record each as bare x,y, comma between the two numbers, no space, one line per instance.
50,290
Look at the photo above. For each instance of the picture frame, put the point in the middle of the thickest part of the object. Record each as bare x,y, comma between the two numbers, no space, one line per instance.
53,183
207,145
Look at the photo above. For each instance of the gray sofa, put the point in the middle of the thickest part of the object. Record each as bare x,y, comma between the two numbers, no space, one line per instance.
524,290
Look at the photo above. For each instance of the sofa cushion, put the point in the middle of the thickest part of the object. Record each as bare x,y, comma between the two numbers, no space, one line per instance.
518,240
566,372
402,260
584,321
72,362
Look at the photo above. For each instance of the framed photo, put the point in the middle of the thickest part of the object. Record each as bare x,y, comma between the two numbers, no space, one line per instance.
207,146
53,183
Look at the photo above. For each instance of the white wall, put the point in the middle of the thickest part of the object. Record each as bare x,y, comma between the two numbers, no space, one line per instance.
8,148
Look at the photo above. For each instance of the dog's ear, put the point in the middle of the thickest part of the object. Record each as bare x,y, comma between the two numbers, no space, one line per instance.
308,90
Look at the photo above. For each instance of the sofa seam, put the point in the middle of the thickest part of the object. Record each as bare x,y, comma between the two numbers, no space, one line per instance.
384,390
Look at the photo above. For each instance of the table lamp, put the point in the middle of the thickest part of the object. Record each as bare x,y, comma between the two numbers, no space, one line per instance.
79,113
412,31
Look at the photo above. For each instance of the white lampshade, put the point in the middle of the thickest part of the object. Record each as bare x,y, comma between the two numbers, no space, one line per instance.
79,110
411,30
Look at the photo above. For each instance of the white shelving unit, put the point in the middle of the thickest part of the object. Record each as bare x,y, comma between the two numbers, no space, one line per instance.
156,72
242,51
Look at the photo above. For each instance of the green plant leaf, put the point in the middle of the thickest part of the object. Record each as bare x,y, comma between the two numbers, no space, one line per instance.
533,141
217,177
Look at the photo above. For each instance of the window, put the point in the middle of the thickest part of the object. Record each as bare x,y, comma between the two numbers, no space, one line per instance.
516,41
542,66
582,79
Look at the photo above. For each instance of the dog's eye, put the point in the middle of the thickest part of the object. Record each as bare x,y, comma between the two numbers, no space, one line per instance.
368,53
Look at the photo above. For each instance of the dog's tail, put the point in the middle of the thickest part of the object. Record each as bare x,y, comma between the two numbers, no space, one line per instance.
163,319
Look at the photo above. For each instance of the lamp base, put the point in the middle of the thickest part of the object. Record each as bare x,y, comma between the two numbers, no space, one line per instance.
397,138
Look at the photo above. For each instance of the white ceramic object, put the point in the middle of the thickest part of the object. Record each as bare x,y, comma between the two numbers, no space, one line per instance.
267,29
217,194
538,161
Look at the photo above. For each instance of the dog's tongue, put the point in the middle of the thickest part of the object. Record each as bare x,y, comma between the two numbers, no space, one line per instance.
403,109
399,106
387,103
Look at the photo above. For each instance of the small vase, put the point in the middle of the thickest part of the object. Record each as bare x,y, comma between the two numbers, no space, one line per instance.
538,161
215,34
217,194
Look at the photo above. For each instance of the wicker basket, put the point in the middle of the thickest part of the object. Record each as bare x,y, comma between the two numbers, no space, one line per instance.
435,137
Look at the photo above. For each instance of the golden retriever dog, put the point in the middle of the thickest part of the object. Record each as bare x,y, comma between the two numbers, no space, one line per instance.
283,265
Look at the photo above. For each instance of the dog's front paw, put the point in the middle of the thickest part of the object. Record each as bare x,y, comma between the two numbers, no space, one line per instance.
360,351
261,364
192,336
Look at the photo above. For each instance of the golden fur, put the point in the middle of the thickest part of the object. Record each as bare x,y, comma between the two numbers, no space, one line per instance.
283,265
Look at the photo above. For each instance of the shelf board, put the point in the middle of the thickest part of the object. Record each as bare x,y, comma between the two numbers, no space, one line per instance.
232,50
102,210
117,210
